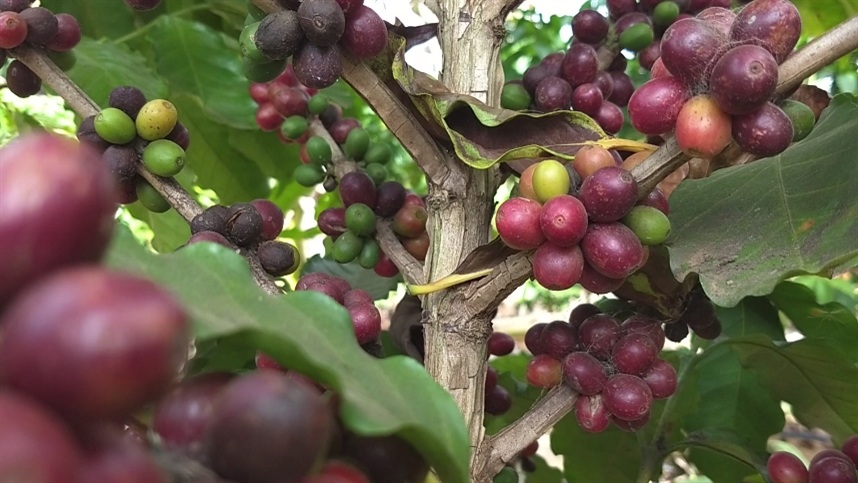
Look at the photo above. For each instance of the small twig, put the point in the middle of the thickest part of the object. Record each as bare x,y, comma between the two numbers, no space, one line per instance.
169,188
501,448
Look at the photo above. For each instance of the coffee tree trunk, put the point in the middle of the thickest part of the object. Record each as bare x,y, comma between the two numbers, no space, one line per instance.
461,208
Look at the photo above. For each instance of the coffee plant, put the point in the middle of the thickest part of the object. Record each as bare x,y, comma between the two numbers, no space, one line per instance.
668,158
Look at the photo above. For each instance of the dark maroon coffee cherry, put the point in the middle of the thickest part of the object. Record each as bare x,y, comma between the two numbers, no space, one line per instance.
279,35
267,412
272,218
332,221
558,339
498,401
68,34
22,81
391,197
627,397
689,50
557,268
209,236
654,107
612,249
532,339
657,200
644,325
719,18
784,467
357,187
597,283
661,379
622,88
772,24
676,331
553,94
500,344
365,33
42,25
366,320
610,117
127,99
277,258
317,66
618,8
584,373
605,83
386,459
764,132
832,470
212,219
243,224
608,194
587,98
579,65
631,426
634,354
323,21
122,161
589,26
743,79
14,5
598,334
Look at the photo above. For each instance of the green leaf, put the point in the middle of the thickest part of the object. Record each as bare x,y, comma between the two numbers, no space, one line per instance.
264,149
96,19
612,455
170,229
754,315
721,457
746,228
832,323
103,65
816,381
196,61
817,16
731,400
312,334
218,166
357,276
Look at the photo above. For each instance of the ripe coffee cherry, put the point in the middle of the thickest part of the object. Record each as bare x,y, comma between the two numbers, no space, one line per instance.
518,223
13,30
655,106
598,334
590,159
584,373
557,268
498,401
702,129
558,339
773,24
365,34
563,220
581,313
111,455
589,26
544,372
850,448
689,50
209,236
627,397
122,162
35,444
67,317
719,18
784,467
391,197
532,339
591,413
644,325
68,34
623,88
500,344
608,194
830,453
41,214
267,412
182,417
357,187
552,94
272,218
610,117
631,426
579,65
386,459
661,379
764,132
832,470
597,283
743,79
366,320
22,81
317,66
612,249
587,98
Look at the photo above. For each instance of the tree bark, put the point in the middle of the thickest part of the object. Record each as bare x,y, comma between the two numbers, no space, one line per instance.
470,34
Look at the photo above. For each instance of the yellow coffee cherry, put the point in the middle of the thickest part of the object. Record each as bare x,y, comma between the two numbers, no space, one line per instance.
156,119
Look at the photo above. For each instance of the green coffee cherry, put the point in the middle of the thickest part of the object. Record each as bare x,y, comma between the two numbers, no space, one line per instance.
378,153
149,197
319,151
649,224
294,127
360,219
357,143
550,179
318,103
164,157
515,97
308,175
369,254
156,119
637,37
801,116
114,126
665,13
347,247
377,172
247,45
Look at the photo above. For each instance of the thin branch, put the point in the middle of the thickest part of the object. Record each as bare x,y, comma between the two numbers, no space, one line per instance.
820,52
501,448
169,188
